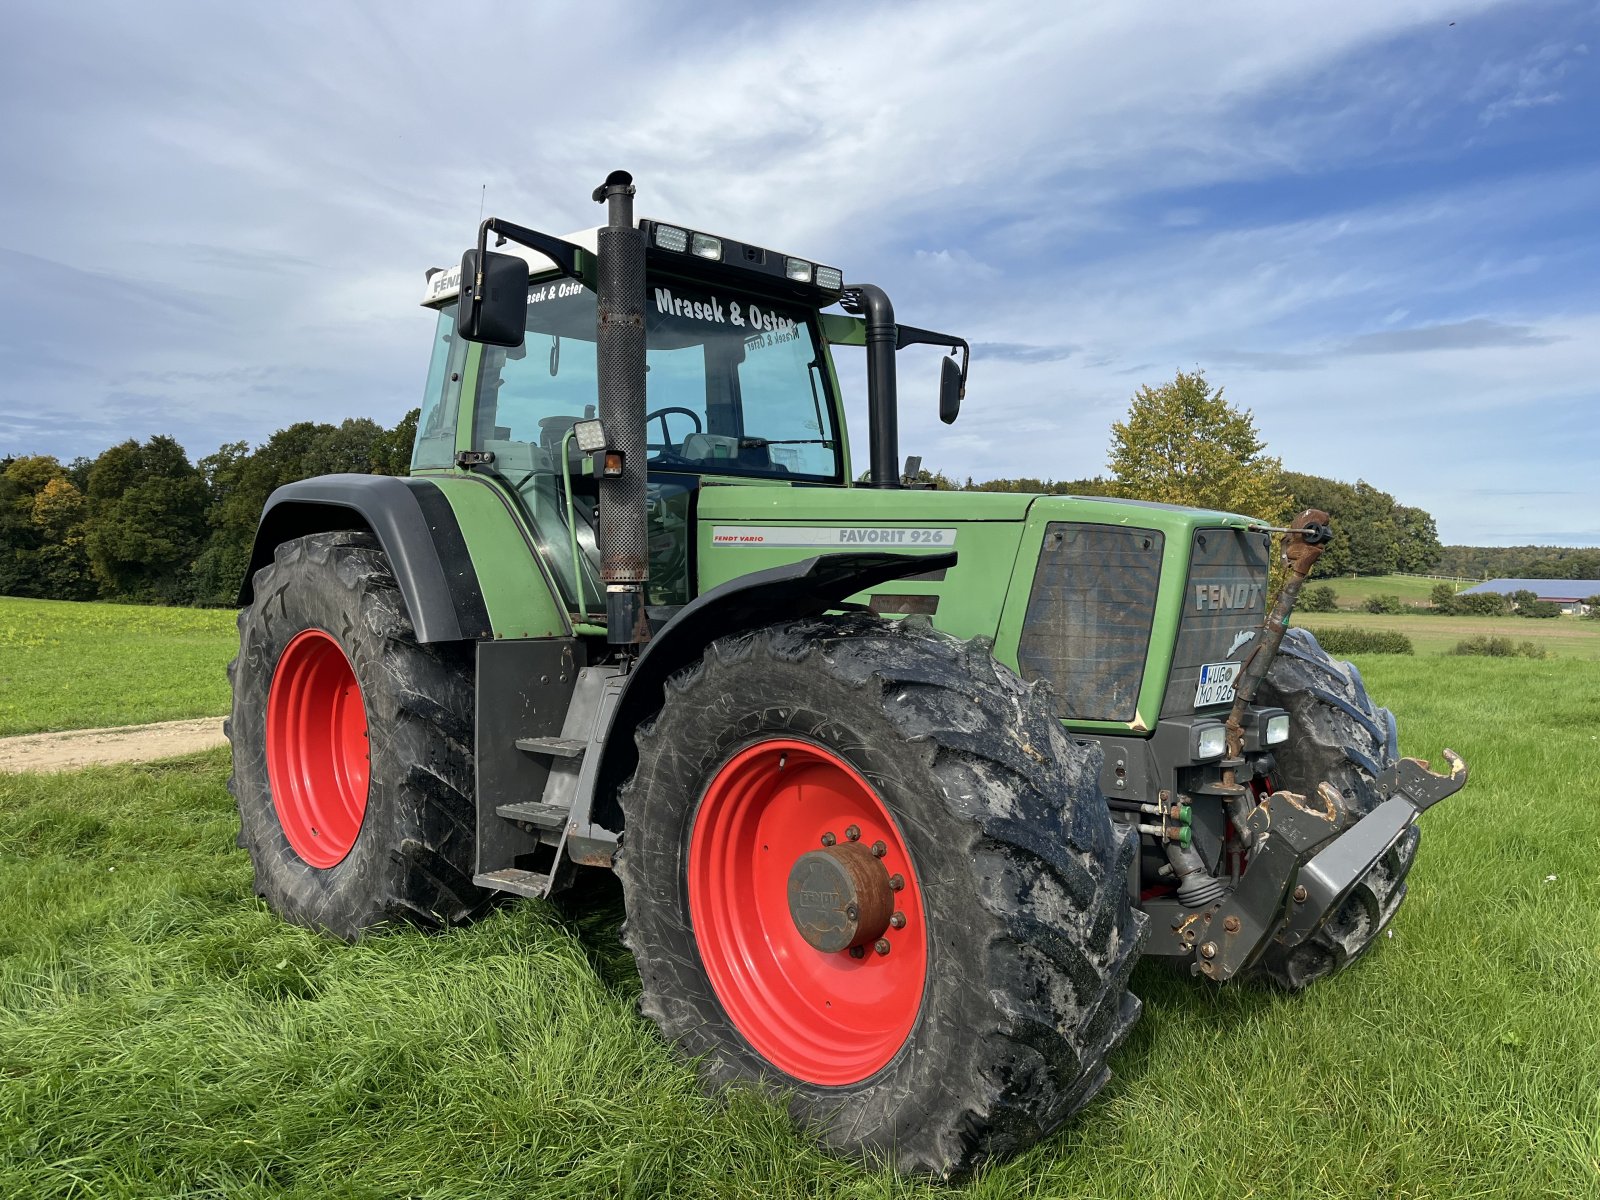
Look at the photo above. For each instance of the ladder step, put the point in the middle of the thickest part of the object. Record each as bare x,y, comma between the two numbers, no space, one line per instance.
523,883
545,816
557,747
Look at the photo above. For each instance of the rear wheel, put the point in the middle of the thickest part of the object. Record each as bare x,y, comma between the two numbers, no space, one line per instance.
352,746
865,864
1336,734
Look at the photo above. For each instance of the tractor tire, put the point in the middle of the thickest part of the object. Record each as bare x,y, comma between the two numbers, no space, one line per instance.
981,1017
1336,733
352,747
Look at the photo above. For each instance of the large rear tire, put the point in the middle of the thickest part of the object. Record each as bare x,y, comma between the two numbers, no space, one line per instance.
942,786
1336,734
352,747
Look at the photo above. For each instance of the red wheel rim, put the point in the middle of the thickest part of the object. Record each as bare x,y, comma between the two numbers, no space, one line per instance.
317,754
826,1018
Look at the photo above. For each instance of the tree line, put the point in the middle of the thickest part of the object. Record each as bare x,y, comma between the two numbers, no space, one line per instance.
142,523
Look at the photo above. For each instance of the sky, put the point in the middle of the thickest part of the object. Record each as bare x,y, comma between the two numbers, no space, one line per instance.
1373,223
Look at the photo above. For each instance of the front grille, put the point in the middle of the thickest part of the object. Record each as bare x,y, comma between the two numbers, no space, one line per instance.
1224,600
1087,629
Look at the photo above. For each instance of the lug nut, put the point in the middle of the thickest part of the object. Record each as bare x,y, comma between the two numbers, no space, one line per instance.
1300,893
896,882
858,951
897,921
828,839
881,945
879,849
1231,924
1208,950
853,833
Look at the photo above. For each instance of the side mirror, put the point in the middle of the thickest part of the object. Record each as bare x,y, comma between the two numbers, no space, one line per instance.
950,389
496,313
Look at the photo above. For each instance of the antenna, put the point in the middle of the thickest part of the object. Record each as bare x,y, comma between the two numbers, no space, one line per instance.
482,196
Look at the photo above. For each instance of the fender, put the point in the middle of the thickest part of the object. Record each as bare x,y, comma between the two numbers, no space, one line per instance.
414,524
774,596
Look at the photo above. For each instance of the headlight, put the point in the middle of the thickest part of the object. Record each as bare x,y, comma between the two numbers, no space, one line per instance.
1277,729
670,237
797,269
706,246
1210,741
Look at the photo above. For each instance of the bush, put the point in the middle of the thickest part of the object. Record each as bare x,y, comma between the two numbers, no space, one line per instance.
1593,606
1499,647
1318,599
1387,605
1362,641
1538,608
1443,598
1482,604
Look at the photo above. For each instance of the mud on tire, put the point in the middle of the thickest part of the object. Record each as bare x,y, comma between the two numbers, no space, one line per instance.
411,861
1336,734
1030,934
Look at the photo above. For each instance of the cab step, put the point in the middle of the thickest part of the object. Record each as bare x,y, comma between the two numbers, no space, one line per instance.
553,746
523,883
542,816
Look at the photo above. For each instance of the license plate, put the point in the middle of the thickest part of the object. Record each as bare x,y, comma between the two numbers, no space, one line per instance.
1216,683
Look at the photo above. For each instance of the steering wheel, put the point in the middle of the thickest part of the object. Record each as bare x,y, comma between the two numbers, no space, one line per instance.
661,414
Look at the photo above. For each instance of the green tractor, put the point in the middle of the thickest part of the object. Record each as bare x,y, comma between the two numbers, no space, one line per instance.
898,784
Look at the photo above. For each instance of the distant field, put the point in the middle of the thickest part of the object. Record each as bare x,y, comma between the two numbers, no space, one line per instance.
78,666
1353,589
1564,637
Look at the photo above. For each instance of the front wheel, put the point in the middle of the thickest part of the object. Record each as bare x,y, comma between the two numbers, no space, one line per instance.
863,862
352,746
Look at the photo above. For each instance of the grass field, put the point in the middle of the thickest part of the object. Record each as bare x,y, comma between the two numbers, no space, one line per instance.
161,1033
1353,589
1563,637
79,666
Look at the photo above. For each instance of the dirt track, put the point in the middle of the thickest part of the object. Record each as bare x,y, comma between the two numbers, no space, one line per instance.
96,747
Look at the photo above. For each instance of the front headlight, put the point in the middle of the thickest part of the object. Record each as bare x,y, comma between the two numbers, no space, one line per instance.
1209,742
1277,729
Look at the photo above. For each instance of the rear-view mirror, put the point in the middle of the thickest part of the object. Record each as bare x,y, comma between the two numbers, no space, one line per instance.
495,312
949,391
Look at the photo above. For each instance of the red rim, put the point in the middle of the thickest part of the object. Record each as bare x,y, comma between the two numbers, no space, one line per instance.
317,753
826,1018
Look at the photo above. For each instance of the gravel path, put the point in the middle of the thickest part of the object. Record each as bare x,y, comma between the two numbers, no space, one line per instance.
96,747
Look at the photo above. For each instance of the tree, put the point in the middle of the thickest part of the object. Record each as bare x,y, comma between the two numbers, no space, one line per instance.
146,520
1183,443
1443,598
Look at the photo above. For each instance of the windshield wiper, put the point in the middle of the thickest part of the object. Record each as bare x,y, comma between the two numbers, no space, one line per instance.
758,443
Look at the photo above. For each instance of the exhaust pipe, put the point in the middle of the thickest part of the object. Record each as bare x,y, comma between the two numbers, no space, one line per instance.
883,416
620,347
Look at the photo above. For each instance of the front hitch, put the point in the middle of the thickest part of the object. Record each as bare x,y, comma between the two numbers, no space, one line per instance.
1305,858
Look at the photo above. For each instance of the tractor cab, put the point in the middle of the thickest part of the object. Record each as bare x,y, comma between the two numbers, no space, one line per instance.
740,389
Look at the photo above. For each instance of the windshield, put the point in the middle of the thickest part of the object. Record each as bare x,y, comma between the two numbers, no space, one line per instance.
733,386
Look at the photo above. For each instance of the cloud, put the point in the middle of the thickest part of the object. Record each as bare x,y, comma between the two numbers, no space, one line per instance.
1021,352
1459,335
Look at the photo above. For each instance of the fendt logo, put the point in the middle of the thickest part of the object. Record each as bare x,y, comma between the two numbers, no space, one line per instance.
1209,597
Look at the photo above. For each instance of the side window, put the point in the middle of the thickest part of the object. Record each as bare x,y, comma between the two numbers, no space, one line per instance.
436,427
773,409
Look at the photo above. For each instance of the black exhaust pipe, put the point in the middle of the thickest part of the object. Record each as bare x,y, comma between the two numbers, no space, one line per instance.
620,347
883,413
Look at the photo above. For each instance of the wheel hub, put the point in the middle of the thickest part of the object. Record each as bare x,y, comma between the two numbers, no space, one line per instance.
840,897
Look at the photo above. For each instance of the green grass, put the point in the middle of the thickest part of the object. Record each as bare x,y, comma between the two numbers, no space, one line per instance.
161,1033
1353,589
78,666
1564,637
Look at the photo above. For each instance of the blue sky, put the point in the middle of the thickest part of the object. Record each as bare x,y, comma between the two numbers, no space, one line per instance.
1374,223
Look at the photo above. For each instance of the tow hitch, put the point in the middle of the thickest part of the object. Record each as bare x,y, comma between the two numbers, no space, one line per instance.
1305,859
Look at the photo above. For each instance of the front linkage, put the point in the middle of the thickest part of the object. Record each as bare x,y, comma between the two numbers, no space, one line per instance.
1306,853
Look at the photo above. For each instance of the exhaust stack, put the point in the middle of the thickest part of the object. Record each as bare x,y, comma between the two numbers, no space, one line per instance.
620,346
